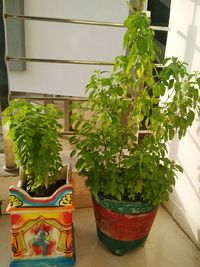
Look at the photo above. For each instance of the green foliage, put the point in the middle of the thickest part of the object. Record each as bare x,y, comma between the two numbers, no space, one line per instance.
165,101
34,131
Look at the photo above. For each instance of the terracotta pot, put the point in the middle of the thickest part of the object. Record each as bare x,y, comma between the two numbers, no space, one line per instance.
123,226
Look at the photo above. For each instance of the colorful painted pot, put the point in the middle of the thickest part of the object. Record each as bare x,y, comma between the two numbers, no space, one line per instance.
42,229
123,226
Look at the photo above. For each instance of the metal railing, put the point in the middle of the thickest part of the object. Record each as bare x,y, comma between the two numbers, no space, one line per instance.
67,100
65,61
73,21
76,21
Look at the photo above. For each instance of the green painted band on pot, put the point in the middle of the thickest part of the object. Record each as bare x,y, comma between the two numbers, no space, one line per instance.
125,206
58,262
119,247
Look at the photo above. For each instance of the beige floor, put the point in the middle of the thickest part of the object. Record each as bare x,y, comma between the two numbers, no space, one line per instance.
167,245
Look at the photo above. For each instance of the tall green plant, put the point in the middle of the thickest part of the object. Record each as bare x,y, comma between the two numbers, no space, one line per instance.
34,131
164,101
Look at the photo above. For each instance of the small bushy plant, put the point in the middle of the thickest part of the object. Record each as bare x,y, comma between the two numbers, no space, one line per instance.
34,131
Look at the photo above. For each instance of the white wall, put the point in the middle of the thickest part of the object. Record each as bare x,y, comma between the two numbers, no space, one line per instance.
68,41
184,42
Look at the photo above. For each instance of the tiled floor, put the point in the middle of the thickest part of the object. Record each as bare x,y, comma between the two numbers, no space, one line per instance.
167,245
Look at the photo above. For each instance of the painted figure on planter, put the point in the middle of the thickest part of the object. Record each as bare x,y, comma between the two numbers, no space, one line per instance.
42,244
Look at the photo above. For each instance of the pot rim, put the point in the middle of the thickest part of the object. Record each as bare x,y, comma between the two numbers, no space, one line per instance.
127,207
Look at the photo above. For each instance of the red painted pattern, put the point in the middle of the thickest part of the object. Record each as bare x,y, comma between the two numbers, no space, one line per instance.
15,218
50,249
67,217
125,227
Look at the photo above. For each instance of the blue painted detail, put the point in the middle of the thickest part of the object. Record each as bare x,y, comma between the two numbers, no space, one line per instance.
47,262
55,200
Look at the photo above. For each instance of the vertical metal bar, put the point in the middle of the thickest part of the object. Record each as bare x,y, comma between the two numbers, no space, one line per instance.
15,36
3,74
67,115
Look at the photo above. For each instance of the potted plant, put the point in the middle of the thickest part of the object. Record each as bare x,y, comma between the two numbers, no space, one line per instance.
128,175
41,204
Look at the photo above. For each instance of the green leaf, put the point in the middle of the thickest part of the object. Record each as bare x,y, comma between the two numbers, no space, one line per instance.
142,46
77,124
156,90
121,188
162,89
80,163
119,91
72,139
73,153
179,168
190,117
182,72
139,186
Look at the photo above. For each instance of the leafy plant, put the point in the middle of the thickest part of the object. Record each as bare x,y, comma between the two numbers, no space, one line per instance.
34,131
164,101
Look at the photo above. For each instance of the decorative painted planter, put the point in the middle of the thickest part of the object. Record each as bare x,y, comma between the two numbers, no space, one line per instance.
42,229
123,226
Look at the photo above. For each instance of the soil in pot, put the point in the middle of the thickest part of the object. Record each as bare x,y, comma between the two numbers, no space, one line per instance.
45,192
